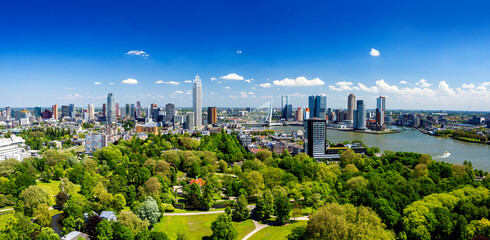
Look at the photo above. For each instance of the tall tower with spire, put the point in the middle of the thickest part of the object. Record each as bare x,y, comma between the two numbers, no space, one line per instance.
197,101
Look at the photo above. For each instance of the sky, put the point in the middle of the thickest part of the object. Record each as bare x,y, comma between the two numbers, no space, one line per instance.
419,54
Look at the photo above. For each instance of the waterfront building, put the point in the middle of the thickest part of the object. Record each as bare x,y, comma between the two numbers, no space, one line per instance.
380,110
190,121
197,101
351,106
72,111
170,114
318,106
111,109
360,116
212,115
299,115
316,137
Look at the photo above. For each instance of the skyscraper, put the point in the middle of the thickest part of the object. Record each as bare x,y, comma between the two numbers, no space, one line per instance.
133,111
118,113
190,121
72,111
287,109
360,116
318,106
170,113
197,101
111,109
8,111
65,111
91,112
37,111
380,110
299,115
315,137
212,115
128,110
351,106
54,109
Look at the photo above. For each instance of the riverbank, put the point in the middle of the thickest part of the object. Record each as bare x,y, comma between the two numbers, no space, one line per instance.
364,131
470,140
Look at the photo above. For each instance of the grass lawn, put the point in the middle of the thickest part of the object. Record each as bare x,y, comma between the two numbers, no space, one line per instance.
197,226
276,232
53,187
191,211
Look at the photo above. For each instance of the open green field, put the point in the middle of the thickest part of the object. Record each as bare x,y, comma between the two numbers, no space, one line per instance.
192,211
276,232
197,226
53,187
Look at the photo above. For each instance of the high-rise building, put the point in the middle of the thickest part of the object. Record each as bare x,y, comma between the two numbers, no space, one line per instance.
138,108
299,115
307,114
72,111
132,111
318,106
104,110
351,106
54,109
94,142
316,138
65,111
286,108
380,110
197,101
118,113
360,116
190,121
46,114
111,109
91,112
148,112
170,113
212,115
8,111
37,111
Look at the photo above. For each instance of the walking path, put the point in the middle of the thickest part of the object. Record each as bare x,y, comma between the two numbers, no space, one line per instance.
8,209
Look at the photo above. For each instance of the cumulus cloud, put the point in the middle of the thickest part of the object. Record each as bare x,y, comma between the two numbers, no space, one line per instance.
298,95
423,83
97,83
213,79
444,89
239,51
248,81
188,81
174,94
486,84
374,52
232,76
227,87
169,82
137,53
242,95
403,82
343,86
298,82
265,85
130,81
471,85
71,96
367,89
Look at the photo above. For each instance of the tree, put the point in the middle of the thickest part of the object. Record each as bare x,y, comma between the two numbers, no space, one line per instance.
297,212
264,154
420,171
33,197
121,232
297,233
240,209
265,206
47,234
282,206
91,226
148,210
42,215
118,202
335,221
104,230
223,229
61,199
357,183
460,229
67,186
253,182
132,221
153,187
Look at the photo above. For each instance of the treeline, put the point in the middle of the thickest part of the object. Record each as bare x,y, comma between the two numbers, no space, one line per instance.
464,135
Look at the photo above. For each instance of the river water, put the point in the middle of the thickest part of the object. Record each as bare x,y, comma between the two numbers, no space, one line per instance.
411,140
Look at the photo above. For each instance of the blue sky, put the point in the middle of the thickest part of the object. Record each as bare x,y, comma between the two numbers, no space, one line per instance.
432,54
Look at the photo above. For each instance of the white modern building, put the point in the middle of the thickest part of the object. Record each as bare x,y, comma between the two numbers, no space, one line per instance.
11,148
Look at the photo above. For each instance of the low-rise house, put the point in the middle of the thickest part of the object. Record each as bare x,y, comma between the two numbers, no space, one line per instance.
75,235
108,215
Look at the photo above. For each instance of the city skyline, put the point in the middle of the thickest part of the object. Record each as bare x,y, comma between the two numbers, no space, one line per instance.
69,56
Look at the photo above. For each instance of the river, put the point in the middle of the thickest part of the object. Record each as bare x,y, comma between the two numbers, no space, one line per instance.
411,140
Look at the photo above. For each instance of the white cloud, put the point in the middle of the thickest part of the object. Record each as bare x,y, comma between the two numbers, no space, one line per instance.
251,93
111,83
299,82
423,83
374,52
471,85
213,79
97,83
232,76
242,95
130,81
444,89
403,82
159,82
179,92
343,86
72,96
174,94
297,95
137,53
367,89
265,85
171,83
248,81
69,88
486,84
239,51
188,81
227,87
